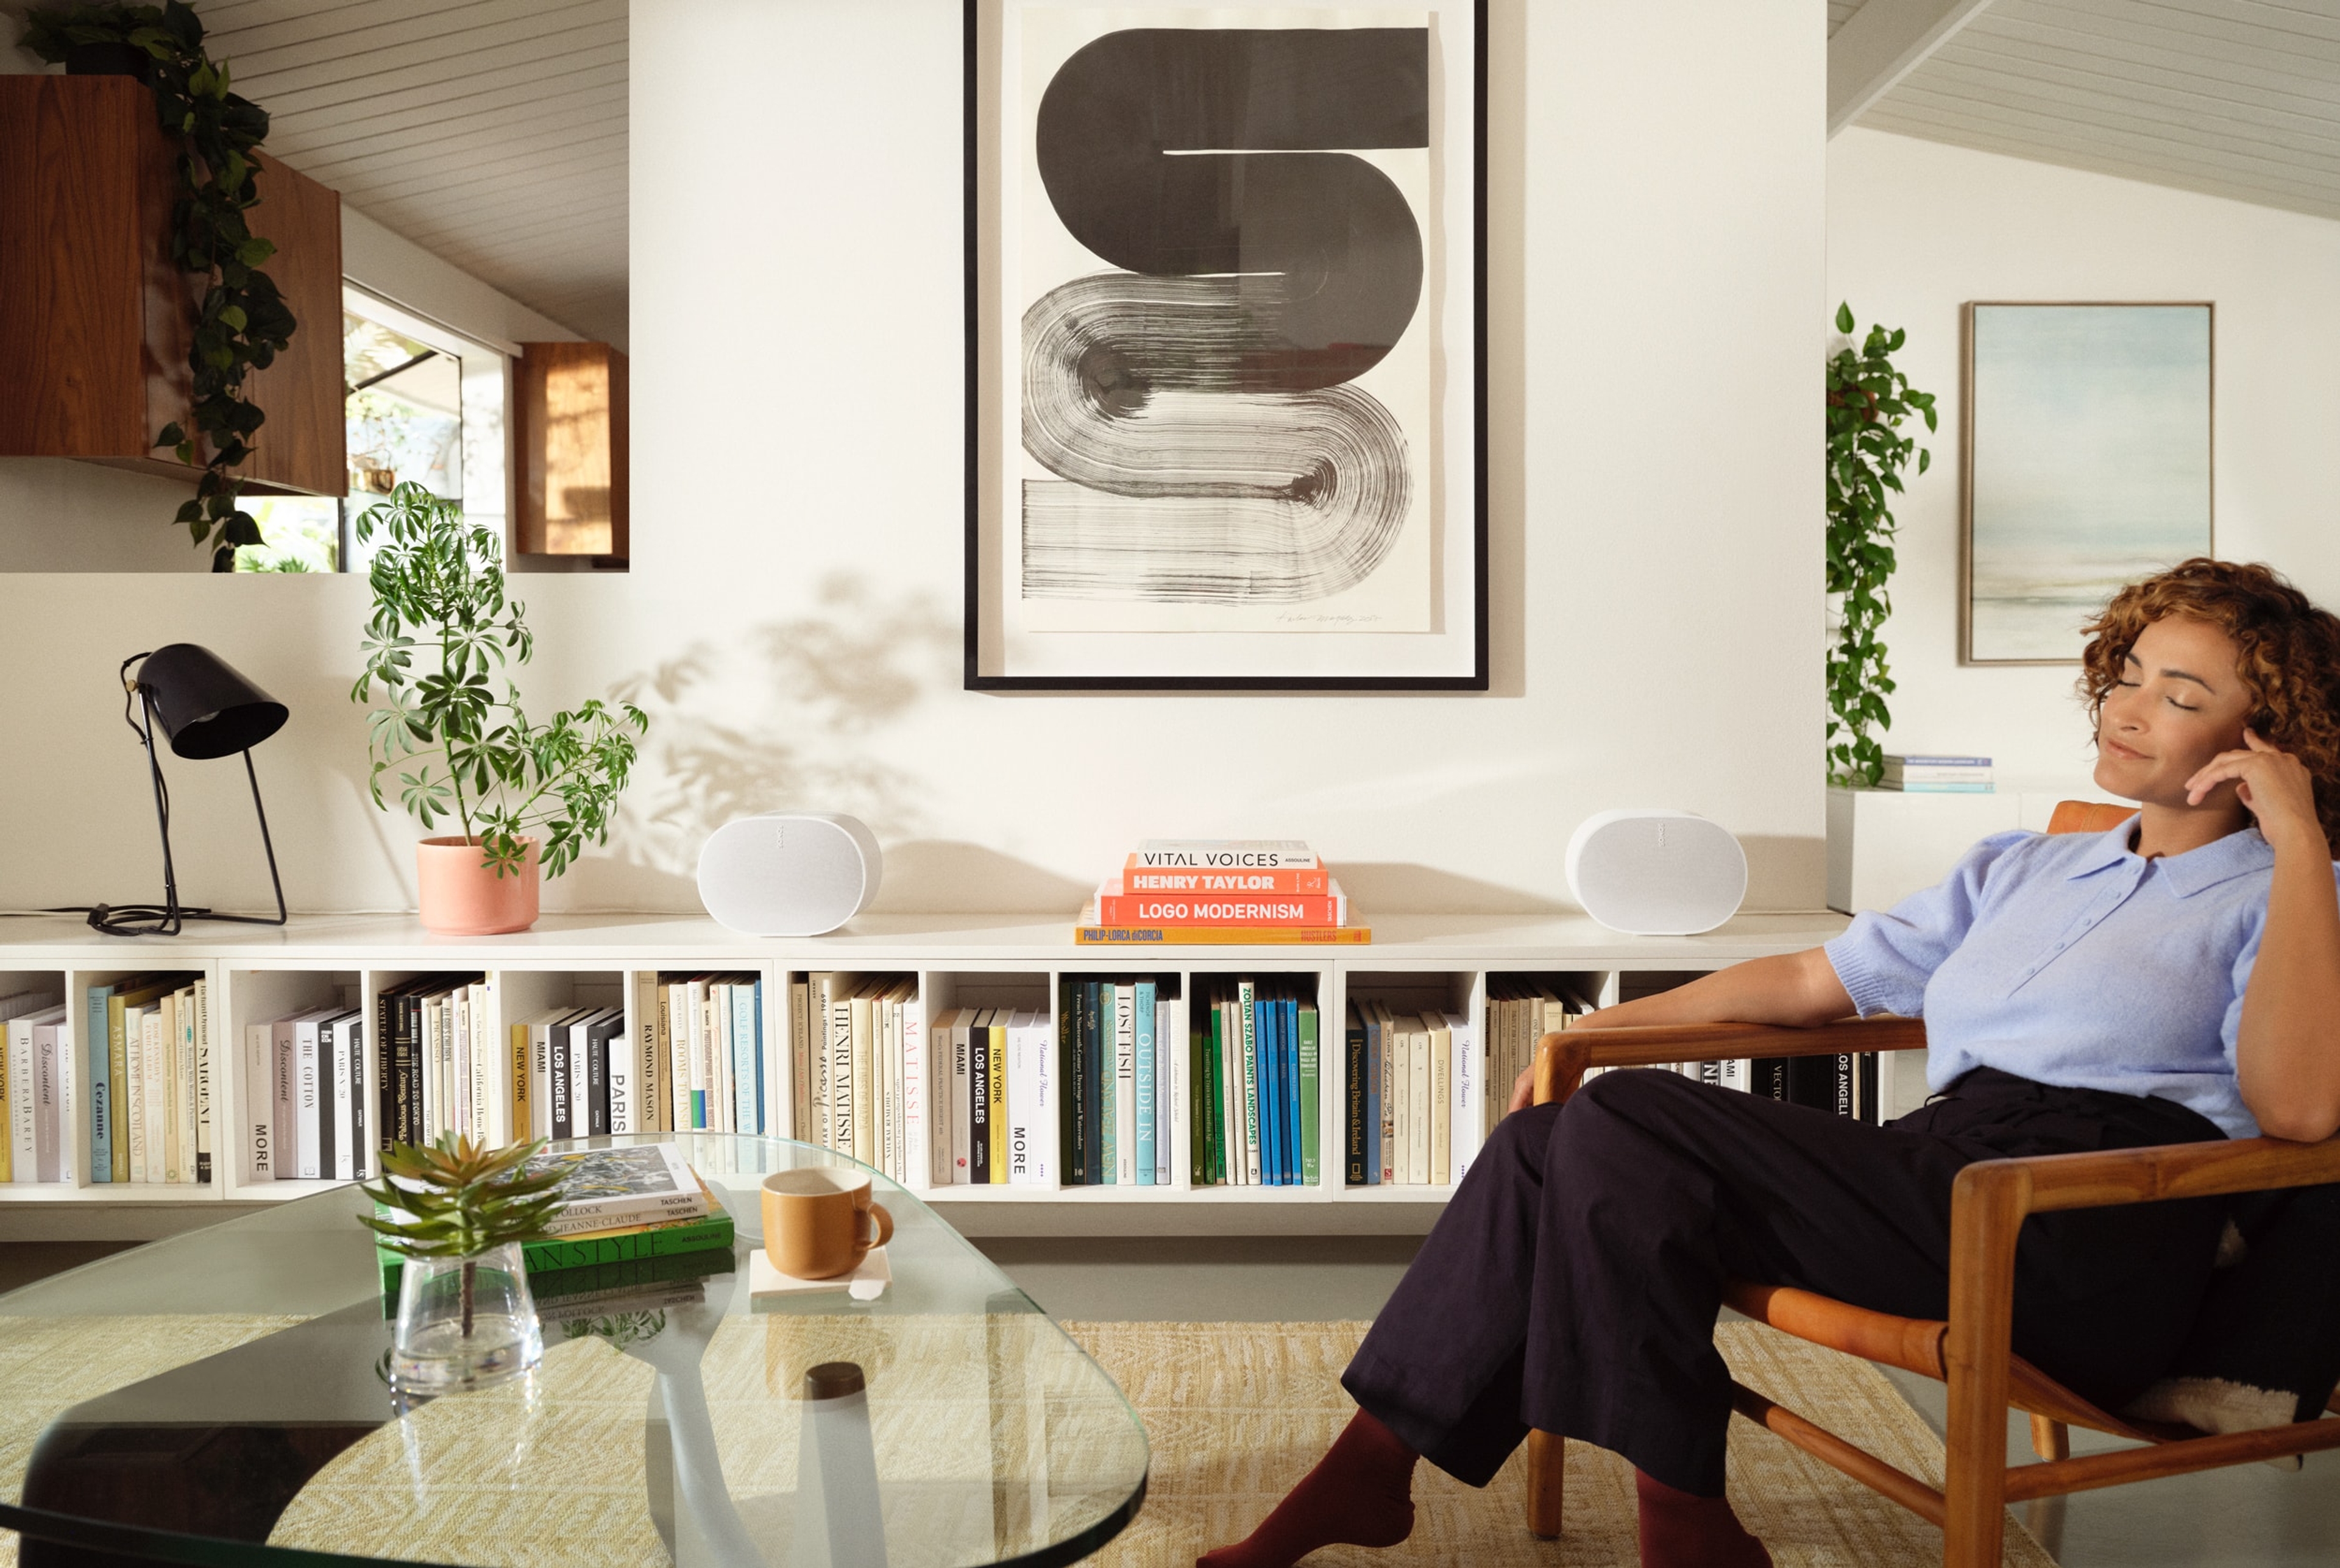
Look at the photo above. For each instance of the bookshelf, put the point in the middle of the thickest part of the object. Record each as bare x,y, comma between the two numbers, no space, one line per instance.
1420,962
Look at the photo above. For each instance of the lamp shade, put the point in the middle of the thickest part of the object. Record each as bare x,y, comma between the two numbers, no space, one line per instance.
203,705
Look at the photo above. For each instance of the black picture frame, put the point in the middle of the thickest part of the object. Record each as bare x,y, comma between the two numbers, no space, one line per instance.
977,290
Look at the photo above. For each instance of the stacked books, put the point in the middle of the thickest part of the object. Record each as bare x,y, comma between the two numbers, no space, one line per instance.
33,1060
1254,1059
1104,1117
1238,891
1936,775
618,1206
1418,1092
1845,1083
304,1079
861,1078
149,1043
702,1058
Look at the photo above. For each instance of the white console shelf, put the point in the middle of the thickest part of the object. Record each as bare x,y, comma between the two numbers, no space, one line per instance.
262,973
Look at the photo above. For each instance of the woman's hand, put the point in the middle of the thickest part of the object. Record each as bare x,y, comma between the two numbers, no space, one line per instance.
2273,785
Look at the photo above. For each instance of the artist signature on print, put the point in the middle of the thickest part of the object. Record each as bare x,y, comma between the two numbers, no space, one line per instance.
1302,616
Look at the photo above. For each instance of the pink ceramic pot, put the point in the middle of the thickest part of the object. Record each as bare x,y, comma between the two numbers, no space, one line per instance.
462,898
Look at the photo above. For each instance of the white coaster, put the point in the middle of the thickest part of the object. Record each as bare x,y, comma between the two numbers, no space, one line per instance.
867,1283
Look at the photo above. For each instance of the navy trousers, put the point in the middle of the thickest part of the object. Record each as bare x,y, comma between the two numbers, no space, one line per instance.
1573,1282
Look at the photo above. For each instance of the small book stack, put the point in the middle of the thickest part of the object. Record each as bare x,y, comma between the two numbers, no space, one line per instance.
618,1206
306,1078
1936,775
1418,1084
857,1049
1256,1058
1239,892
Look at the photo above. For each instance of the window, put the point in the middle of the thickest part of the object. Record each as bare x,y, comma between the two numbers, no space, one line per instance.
422,404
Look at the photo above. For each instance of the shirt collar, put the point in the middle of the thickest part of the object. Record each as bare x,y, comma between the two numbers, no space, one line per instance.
2221,859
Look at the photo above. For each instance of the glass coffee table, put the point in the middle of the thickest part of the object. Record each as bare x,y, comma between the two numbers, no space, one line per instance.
219,1398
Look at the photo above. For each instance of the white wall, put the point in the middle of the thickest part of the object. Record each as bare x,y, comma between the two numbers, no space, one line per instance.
791,616
1916,229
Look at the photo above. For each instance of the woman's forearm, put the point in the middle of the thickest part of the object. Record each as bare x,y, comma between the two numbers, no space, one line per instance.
1797,990
2287,1049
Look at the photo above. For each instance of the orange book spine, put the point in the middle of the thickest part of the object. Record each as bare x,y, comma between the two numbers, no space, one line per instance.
1210,909
1135,878
1222,936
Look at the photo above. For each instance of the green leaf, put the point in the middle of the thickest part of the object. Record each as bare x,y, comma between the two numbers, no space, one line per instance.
1843,324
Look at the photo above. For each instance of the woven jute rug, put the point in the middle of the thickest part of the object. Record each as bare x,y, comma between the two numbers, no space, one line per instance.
1237,1412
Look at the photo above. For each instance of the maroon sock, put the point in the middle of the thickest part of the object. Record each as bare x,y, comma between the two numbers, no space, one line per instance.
1361,1494
1679,1531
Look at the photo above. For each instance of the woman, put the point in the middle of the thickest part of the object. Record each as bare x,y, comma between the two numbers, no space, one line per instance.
2172,981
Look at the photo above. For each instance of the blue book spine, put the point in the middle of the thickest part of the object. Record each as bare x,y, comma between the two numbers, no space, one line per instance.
759,1053
747,1093
1372,1100
1144,1083
1288,1032
101,1088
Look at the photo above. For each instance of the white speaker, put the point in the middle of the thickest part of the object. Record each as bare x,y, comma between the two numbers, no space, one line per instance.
788,873
1656,873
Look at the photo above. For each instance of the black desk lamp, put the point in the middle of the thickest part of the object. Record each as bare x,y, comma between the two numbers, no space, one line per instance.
205,710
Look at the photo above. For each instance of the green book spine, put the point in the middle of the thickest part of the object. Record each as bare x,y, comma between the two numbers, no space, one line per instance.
117,1060
1070,1171
554,1253
1312,1136
1198,1163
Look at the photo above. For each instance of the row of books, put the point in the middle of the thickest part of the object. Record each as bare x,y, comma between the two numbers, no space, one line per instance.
311,1123
1417,1092
1114,1039
857,1044
33,1037
149,1044
1255,1066
1845,1083
1233,891
703,1056
436,1063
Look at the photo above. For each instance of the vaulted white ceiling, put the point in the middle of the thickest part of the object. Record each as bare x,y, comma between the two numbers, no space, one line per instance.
2238,98
491,133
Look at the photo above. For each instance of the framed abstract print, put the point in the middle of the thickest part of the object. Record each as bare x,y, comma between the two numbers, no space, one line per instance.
2087,464
1226,323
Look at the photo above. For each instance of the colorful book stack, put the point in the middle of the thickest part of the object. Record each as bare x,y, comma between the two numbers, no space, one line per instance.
620,1206
858,1047
1418,1091
306,1099
32,1064
148,1041
701,1058
1229,891
1255,1057
1936,775
1099,1114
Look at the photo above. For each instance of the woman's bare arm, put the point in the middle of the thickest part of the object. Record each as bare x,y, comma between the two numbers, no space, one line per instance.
1800,990
2286,1053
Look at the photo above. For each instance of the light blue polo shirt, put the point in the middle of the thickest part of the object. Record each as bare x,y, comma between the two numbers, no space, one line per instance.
2072,960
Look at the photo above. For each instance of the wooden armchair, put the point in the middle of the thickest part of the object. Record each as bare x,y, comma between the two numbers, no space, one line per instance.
1971,1351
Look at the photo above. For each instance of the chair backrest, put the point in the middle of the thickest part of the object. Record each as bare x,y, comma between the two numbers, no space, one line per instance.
2088,816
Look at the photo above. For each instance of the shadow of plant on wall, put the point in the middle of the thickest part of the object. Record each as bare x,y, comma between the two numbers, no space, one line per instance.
790,714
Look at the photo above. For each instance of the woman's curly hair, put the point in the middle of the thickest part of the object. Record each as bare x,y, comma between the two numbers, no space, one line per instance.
2290,659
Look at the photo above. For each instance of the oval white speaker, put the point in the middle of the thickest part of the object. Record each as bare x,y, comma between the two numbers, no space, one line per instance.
1656,873
788,873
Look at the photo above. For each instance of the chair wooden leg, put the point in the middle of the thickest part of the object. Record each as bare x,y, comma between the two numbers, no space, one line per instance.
1547,1479
2050,1439
1986,1208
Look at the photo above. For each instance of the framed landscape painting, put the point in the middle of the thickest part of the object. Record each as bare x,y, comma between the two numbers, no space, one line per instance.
2087,464
1225,333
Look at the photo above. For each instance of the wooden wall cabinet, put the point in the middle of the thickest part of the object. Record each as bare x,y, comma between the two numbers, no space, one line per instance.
569,429
94,319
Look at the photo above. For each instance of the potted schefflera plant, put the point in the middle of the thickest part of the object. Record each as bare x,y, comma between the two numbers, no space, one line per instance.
459,1214
528,796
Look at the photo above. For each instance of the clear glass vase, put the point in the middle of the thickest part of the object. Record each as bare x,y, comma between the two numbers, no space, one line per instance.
464,1323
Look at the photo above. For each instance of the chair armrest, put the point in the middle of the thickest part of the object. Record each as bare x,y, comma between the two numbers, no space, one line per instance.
2102,1178
1562,1056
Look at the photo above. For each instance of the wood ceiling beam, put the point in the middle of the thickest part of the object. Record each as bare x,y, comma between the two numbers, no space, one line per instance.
1883,41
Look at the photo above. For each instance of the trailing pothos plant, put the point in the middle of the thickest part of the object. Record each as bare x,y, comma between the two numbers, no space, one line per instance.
240,322
460,750
1868,402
